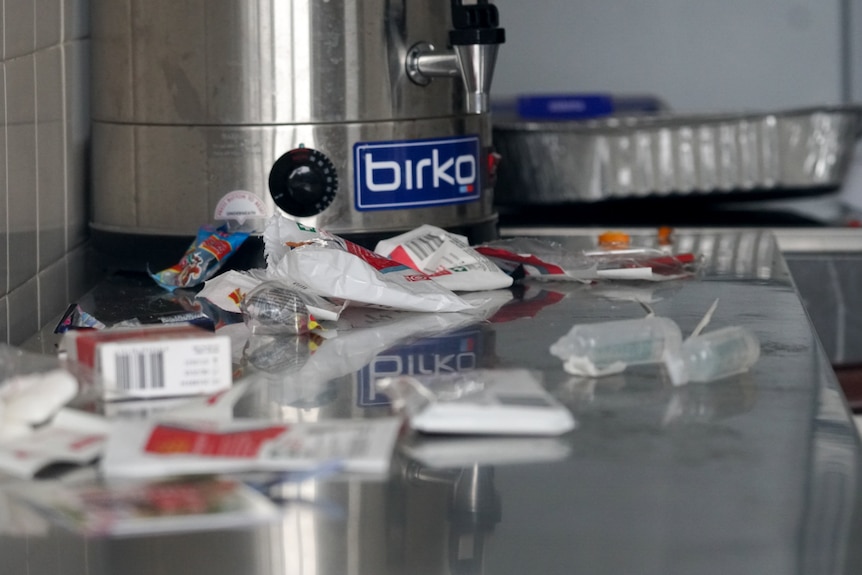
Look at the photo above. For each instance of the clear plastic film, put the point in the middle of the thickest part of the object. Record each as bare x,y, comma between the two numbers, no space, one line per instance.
273,309
34,387
597,349
547,260
714,355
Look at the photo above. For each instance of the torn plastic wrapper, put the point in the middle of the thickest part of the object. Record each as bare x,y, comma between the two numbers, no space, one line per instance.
546,260
307,259
76,318
203,258
35,387
227,290
446,257
71,437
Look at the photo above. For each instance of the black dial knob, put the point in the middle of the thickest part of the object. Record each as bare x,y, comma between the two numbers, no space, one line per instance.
303,182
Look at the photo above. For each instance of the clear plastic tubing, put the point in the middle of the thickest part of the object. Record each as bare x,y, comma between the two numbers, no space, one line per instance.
714,355
630,341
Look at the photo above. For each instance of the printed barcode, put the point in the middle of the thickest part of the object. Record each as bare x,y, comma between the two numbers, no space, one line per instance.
425,245
137,370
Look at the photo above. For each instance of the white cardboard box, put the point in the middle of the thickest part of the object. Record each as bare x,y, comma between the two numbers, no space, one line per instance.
153,361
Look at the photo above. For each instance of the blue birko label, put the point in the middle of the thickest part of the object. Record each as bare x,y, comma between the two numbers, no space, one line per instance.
416,173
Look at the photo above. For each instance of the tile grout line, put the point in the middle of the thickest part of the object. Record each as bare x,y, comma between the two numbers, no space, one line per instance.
65,118
36,181
8,278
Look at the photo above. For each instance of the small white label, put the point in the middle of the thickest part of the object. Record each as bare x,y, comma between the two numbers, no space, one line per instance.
141,369
241,205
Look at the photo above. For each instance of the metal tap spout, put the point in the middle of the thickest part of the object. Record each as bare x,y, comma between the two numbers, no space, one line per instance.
476,63
475,38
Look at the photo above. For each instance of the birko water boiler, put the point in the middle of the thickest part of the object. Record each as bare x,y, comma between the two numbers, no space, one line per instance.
363,117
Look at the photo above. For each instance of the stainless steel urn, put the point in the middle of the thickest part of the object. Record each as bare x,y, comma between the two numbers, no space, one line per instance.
364,117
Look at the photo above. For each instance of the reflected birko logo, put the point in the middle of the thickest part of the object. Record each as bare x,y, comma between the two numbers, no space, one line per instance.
416,173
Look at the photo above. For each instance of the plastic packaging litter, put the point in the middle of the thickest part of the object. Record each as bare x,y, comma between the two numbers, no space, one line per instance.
128,508
227,290
713,355
163,447
598,349
313,260
272,308
446,257
77,318
478,402
203,258
71,436
547,260
35,387
33,399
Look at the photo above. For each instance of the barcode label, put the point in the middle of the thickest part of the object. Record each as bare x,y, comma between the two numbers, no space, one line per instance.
424,246
140,370
185,366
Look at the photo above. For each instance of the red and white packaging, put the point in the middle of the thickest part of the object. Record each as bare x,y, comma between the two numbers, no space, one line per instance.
72,436
446,257
131,508
311,260
153,361
547,260
183,447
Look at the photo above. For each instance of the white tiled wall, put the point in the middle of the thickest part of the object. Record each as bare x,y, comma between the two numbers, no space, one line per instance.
44,132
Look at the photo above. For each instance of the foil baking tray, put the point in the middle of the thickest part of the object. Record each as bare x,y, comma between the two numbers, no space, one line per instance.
779,153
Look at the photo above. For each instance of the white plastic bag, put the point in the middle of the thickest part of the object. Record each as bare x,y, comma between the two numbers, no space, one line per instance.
315,260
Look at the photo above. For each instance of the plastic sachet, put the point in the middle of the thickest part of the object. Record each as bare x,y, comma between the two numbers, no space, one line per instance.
273,308
446,257
38,424
76,318
307,259
480,402
164,447
203,258
713,355
227,290
96,508
71,436
599,349
34,387
547,260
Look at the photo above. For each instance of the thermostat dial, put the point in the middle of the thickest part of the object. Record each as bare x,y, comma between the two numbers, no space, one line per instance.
303,182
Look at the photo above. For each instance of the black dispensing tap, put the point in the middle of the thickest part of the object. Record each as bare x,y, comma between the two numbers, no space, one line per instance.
475,24
475,37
